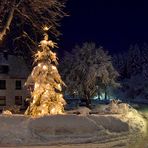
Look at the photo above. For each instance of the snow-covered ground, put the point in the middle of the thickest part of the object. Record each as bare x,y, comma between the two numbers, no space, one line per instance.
71,131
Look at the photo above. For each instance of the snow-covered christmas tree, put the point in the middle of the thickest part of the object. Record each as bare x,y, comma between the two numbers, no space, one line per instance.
47,95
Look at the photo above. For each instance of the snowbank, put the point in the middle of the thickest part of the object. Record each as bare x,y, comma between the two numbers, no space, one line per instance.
64,129
18,129
136,121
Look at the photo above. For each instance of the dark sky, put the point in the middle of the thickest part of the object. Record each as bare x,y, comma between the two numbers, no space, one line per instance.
113,24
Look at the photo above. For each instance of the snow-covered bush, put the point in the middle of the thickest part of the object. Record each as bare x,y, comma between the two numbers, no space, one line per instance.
6,112
88,71
12,108
114,107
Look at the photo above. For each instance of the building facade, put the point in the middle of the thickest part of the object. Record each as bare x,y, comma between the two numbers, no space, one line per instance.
13,75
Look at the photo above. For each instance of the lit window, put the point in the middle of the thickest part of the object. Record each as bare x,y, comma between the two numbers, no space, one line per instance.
18,100
18,84
2,100
2,84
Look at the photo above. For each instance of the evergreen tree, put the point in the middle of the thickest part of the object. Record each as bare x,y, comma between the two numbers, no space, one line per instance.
145,61
134,61
120,63
46,96
134,79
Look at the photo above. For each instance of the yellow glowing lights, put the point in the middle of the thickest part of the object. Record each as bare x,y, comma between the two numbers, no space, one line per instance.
44,42
47,95
60,95
52,111
43,111
51,43
36,85
53,67
39,64
60,112
45,28
53,55
59,86
46,92
45,67
44,105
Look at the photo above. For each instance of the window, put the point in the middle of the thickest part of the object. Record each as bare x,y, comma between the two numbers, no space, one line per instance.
2,100
4,69
2,84
18,100
18,84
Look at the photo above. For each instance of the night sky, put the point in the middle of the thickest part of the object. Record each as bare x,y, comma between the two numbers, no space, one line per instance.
113,24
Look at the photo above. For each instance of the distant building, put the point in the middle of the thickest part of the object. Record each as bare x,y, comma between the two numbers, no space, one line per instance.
13,74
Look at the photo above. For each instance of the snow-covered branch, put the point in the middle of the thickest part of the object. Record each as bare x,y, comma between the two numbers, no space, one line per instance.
8,23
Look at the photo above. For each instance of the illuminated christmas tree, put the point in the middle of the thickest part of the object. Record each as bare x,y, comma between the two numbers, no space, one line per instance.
47,97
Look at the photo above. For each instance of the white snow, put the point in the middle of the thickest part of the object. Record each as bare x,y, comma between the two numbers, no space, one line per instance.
70,129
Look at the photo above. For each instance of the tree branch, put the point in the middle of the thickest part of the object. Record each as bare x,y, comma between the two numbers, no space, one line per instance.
29,19
8,23
19,3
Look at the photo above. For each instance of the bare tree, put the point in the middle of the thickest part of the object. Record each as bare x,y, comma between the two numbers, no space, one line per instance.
21,21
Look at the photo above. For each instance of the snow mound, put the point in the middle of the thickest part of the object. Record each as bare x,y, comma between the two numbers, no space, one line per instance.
21,130
67,129
136,121
59,125
111,123
114,107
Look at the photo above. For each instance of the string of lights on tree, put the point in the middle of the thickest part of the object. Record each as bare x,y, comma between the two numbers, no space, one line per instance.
47,97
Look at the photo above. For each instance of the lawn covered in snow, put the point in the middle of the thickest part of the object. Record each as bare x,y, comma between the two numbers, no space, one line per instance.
107,129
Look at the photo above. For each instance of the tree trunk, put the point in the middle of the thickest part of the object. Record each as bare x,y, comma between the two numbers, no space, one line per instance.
8,23
105,97
87,97
88,101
